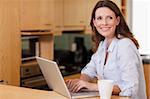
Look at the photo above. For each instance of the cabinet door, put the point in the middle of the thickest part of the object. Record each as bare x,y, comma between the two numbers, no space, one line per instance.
89,8
47,47
10,53
36,14
58,17
74,14
47,14
30,14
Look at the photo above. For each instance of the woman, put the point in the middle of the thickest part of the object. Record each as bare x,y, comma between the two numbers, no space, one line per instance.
116,58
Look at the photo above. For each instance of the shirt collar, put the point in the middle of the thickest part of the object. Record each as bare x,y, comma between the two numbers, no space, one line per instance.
111,46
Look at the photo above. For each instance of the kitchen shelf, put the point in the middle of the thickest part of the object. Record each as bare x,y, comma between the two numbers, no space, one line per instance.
36,33
29,63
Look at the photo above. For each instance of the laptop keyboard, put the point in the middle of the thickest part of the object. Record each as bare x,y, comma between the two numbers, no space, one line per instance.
86,93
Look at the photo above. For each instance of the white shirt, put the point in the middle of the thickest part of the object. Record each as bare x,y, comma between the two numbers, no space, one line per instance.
123,66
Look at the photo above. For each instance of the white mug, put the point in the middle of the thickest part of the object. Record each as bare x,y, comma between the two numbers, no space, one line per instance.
105,88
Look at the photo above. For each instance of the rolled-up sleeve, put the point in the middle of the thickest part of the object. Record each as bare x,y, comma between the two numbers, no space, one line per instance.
90,68
128,65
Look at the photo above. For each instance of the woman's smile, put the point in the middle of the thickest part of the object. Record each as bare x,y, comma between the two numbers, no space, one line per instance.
105,29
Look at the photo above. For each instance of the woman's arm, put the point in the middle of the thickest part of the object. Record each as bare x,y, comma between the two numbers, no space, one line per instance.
87,82
85,77
116,89
129,67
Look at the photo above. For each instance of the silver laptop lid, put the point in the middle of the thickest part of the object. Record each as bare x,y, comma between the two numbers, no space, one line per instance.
53,76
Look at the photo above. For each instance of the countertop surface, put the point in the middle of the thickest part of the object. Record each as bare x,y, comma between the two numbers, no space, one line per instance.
14,92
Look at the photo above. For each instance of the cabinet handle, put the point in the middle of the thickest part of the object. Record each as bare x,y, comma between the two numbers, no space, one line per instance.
48,24
81,21
3,82
58,26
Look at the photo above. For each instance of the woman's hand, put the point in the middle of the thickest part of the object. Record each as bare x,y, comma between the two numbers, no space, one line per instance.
75,85
116,90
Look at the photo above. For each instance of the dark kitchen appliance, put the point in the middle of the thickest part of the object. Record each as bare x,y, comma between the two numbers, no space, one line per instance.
30,47
32,77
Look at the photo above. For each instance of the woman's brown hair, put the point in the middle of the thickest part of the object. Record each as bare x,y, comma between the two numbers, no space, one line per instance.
121,29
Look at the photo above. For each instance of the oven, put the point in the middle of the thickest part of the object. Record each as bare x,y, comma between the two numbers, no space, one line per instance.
32,77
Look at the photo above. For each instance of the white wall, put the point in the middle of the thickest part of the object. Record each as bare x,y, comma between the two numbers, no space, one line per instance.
141,24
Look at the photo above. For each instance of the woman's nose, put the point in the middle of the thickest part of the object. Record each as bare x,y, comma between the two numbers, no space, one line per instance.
104,22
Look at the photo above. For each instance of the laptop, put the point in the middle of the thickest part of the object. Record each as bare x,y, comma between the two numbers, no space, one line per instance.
56,82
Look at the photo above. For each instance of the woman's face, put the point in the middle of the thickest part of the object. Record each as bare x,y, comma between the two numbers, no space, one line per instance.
105,22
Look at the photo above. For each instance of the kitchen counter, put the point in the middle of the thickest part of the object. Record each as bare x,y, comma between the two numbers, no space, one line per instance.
14,92
146,59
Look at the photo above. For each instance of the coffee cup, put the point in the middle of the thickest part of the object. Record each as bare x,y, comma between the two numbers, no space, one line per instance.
105,88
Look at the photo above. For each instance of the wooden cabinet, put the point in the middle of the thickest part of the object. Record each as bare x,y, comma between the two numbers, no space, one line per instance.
10,53
37,18
30,15
46,43
47,46
36,14
58,17
47,17
89,8
74,14
147,78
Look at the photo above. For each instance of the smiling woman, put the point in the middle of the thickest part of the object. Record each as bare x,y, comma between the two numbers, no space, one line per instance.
117,57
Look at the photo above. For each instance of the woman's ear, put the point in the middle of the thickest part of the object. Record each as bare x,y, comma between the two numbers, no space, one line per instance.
94,22
118,20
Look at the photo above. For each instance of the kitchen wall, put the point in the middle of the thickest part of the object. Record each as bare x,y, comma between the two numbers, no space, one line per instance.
141,24
65,41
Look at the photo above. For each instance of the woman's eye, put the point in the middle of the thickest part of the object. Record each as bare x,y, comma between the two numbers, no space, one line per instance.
110,17
99,18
